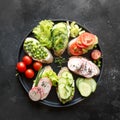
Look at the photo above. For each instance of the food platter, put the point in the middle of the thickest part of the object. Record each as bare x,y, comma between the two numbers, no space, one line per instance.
52,99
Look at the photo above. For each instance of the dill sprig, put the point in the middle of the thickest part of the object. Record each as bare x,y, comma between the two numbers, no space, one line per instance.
60,61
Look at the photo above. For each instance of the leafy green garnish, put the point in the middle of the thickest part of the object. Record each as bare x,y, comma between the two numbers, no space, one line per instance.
74,29
52,76
60,60
42,32
60,37
97,62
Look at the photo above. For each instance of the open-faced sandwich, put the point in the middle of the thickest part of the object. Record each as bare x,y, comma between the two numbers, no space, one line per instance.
83,66
34,49
60,35
82,44
46,78
66,87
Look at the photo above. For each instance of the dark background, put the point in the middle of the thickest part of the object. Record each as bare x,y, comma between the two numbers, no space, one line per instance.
18,17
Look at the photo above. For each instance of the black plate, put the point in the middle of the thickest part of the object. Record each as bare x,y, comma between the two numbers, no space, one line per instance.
52,99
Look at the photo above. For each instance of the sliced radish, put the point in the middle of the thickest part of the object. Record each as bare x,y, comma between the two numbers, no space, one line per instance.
45,87
34,94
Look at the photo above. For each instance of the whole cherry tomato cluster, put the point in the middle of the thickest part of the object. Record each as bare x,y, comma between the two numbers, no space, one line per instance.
28,66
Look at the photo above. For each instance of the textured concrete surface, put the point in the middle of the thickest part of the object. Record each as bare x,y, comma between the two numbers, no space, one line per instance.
18,17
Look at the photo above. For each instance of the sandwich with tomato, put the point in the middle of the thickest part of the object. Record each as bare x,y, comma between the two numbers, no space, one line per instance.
81,44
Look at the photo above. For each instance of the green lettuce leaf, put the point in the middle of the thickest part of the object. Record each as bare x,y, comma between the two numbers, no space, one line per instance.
42,33
52,76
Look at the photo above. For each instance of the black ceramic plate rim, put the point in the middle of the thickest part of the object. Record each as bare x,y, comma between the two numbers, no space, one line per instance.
50,103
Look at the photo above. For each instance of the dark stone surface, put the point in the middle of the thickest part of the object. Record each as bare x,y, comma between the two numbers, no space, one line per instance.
18,17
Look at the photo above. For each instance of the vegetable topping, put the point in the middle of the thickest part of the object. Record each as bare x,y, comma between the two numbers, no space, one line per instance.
34,49
42,32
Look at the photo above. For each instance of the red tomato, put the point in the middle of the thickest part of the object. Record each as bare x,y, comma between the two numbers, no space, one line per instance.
27,60
21,67
75,50
29,73
79,43
37,66
87,39
96,54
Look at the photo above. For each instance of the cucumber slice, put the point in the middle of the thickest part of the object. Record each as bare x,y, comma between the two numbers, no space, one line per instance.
67,75
62,81
92,83
63,92
84,89
78,81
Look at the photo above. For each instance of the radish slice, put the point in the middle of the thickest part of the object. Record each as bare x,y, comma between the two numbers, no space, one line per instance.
45,87
34,94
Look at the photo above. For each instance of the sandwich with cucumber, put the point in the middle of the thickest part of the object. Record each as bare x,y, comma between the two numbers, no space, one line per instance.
66,87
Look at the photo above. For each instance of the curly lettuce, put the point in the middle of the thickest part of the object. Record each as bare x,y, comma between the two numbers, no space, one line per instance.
74,29
52,76
42,33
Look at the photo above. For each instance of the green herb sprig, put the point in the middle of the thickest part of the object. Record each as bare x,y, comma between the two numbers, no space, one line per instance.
60,61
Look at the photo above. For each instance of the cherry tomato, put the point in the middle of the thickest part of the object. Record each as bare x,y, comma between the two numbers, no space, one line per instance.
29,73
27,60
37,66
75,50
96,54
21,67
87,39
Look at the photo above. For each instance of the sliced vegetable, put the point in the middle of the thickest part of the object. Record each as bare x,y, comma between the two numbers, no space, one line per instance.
64,91
45,85
34,94
74,49
86,39
42,32
66,88
21,67
67,75
78,81
92,83
86,86
84,89
96,54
